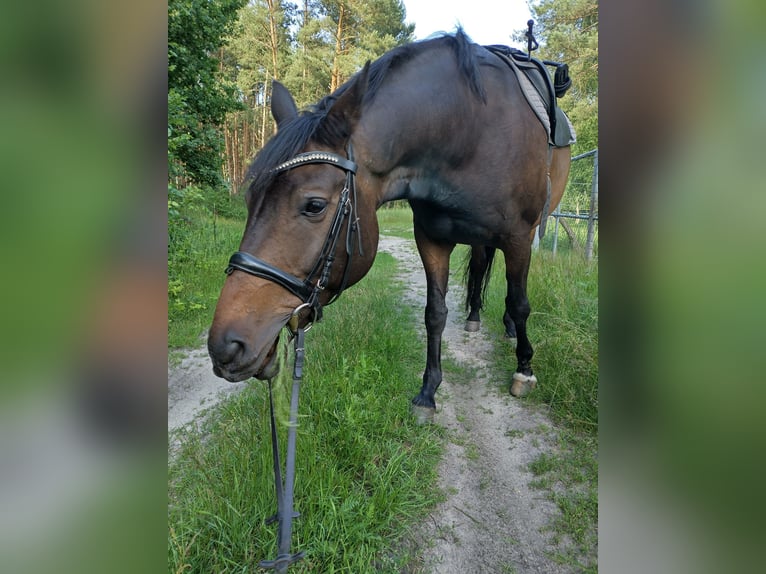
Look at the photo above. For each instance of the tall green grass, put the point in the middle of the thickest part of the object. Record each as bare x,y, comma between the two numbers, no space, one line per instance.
563,329
200,248
396,221
365,470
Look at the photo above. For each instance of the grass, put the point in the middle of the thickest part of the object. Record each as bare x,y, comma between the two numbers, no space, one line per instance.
202,247
366,471
565,244
195,271
395,221
563,328
569,475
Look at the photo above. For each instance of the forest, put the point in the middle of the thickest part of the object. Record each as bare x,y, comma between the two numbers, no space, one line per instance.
224,54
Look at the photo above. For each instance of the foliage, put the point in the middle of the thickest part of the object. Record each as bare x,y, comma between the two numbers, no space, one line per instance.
311,47
198,99
201,237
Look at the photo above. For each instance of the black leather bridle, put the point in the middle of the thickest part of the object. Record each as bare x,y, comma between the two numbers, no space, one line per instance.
309,289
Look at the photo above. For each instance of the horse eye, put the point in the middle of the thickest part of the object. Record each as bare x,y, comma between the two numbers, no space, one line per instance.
314,206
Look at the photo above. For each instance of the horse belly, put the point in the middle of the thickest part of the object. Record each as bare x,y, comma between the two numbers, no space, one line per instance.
451,227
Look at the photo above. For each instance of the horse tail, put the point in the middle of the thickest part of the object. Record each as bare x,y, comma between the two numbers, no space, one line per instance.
474,281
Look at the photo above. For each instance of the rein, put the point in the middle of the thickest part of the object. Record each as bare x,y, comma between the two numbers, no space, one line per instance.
285,514
308,292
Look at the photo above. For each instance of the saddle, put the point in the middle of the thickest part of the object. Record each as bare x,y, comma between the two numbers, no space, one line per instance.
541,92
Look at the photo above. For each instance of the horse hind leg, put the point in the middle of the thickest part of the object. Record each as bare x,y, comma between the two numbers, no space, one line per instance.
516,313
510,327
477,277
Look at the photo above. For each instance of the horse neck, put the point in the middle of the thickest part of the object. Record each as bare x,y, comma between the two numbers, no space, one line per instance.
386,167
406,127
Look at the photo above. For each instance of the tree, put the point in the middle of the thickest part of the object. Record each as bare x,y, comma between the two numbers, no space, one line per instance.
309,70
312,47
198,97
256,55
567,31
362,30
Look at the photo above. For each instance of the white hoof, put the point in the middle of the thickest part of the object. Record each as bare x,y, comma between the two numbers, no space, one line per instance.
521,384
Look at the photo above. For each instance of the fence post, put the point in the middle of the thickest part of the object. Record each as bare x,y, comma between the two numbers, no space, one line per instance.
592,214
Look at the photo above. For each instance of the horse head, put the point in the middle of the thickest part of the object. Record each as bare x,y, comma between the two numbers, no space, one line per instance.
310,233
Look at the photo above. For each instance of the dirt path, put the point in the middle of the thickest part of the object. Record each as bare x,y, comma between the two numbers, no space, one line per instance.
491,521
193,389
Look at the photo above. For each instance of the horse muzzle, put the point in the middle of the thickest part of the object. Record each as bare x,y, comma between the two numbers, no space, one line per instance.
235,360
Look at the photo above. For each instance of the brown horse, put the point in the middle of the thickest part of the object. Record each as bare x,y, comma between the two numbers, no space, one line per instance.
441,123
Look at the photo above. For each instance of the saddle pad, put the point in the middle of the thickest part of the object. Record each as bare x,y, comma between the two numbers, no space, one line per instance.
564,132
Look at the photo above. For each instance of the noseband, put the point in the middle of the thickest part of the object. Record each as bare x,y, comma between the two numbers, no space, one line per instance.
309,289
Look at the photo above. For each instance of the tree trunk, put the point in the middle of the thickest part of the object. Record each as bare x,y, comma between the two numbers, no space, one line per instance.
570,234
273,38
235,167
264,117
247,146
335,81
305,67
228,155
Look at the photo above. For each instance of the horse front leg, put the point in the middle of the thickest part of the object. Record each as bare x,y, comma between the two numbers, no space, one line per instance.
435,258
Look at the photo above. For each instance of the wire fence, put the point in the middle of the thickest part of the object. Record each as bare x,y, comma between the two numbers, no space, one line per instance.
575,221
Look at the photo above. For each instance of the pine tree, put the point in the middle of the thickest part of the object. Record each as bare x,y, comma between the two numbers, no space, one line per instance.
198,96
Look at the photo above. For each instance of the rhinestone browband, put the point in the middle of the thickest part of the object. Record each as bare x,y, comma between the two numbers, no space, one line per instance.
316,157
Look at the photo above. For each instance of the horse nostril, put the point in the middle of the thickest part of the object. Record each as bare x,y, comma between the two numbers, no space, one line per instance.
227,349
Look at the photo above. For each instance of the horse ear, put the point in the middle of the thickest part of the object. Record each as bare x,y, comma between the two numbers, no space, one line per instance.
283,106
345,112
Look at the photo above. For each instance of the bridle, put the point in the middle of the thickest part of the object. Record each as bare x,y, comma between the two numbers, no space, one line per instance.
309,289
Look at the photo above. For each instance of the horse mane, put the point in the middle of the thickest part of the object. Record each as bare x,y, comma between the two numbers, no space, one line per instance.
294,135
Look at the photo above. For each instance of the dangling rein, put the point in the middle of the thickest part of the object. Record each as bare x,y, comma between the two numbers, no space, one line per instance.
308,291
285,514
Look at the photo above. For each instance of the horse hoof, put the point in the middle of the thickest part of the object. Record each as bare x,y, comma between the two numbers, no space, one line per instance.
522,384
423,415
472,326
